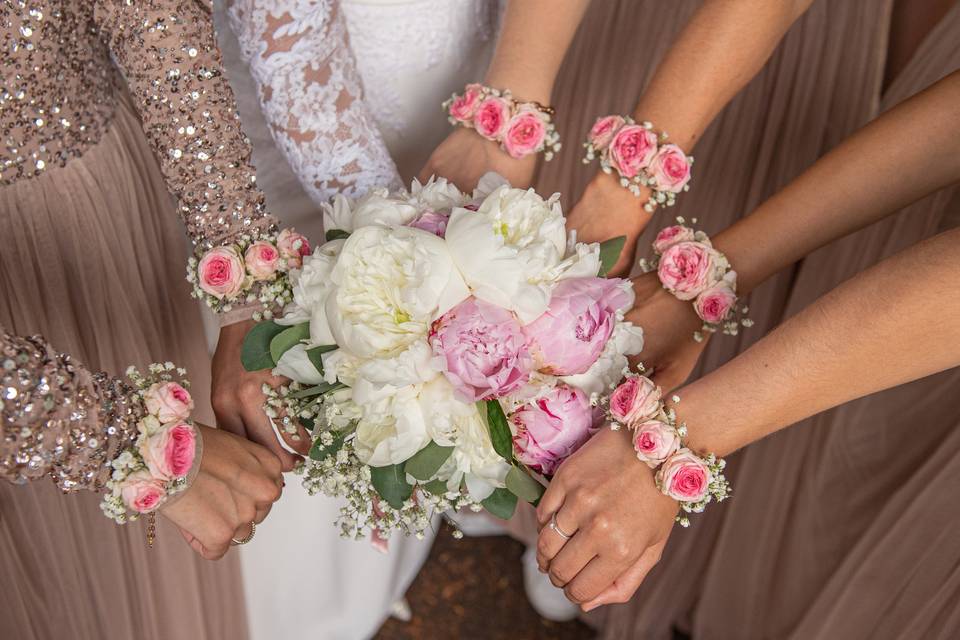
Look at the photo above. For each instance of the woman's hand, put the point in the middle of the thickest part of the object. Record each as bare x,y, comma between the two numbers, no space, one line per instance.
238,398
464,157
607,210
237,484
619,521
669,350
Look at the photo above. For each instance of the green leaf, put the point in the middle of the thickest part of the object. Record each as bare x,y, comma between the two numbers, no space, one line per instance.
306,423
501,503
436,487
427,461
315,355
320,452
523,486
287,338
317,390
610,252
255,352
337,234
500,435
391,483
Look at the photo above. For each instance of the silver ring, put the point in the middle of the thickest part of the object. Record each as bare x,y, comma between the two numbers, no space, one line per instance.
248,537
556,528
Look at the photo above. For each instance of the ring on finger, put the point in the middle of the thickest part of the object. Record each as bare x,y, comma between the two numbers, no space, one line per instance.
556,528
247,538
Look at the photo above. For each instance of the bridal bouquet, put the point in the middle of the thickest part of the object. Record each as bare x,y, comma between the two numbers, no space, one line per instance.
445,350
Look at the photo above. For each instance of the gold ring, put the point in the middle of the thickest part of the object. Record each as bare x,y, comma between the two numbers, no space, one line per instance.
556,528
248,537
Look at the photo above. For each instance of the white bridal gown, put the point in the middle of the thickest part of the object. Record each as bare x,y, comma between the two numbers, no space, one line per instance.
337,97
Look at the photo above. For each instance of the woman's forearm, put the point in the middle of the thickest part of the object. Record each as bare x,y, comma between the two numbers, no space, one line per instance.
898,158
892,324
533,41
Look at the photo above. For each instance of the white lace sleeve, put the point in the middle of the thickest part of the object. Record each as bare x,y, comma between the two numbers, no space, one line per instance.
311,95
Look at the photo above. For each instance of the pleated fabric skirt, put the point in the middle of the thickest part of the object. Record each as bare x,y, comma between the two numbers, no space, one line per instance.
92,255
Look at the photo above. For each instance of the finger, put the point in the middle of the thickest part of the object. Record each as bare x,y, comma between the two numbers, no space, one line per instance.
596,576
231,421
243,531
551,500
268,460
550,541
260,430
262,513
572,558
627,583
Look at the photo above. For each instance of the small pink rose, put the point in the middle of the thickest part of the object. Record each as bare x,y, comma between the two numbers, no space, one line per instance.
481,350
654,442
169,452
551,428
635,400
525,133
603,131
168,401
670,169
491,118
714,304
670,236
221,272
141,492
432,222
684,477
631,149
262,260
293,248
689,268
570,335
464,107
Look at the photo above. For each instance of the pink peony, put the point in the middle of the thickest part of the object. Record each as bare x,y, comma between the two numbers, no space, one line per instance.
525,133
221,272
715,303
632,148
168,401
568,338
551,428
481,350
670,236
169,452
293,248
684,477
670,169
603,131
635,400
262,260
491,118
141,492
654,442
464,107
432,222
688,268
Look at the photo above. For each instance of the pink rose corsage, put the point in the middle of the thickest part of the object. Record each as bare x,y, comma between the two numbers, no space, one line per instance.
690,479
691,269
641,157
254,269
165,456
521,128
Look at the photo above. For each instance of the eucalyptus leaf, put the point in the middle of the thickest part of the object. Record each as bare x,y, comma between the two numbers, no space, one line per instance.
337,234
610,251
501,503
255,352
523,486
315,355
391,483
320,452
435,487
288,338
500,435
425,463
317,390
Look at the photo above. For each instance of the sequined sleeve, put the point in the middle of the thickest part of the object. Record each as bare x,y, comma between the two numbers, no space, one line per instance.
58,418
167,52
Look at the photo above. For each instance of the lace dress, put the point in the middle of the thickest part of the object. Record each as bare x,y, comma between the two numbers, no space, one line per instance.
116,121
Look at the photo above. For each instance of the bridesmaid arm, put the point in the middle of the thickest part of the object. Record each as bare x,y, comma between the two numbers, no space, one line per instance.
58,418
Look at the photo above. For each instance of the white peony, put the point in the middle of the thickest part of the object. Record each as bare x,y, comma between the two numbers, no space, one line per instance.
311,286
295,364
509,248
390,285
437,194
391,429
488,183
604,375
377,208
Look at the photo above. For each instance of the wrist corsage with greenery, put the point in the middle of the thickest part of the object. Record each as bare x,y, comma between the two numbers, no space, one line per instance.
165,456
641,157
690,479
253,270
521,128
690,268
